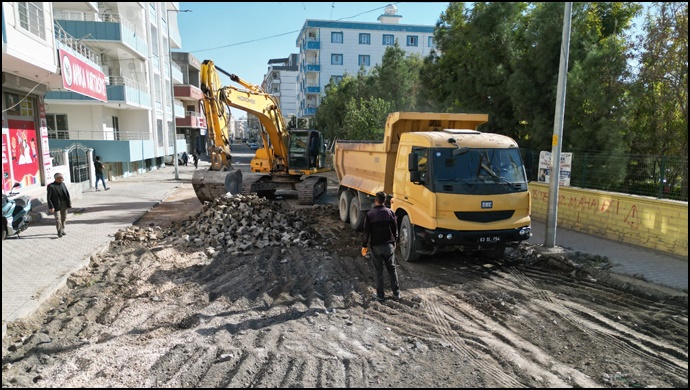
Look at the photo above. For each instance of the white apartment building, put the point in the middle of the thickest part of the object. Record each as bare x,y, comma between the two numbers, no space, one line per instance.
330,49
93,78
281,82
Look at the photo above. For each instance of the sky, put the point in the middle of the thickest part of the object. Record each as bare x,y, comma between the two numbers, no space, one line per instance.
241,37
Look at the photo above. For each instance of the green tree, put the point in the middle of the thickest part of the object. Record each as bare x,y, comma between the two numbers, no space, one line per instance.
660,94
396,78
365,119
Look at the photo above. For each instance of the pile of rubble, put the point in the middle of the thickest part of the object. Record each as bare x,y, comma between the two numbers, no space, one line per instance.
240,223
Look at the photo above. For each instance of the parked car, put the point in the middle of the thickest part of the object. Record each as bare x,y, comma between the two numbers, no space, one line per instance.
253,146
169,159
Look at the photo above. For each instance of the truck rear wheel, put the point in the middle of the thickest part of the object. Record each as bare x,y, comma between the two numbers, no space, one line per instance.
344,205
356,215
409,243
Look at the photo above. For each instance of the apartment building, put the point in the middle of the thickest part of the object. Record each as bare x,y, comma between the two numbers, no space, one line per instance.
330,49
281,82
94,78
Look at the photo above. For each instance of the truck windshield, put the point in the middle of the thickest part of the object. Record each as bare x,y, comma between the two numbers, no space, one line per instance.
478,171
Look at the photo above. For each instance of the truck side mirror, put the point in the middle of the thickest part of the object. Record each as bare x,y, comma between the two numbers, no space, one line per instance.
412,162
415,177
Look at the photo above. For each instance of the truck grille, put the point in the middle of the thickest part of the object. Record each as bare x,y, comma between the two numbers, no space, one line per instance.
484,216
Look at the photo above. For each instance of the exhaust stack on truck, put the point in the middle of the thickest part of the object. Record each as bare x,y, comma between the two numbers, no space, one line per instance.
449,184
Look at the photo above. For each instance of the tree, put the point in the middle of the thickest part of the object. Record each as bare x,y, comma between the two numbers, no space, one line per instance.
661,92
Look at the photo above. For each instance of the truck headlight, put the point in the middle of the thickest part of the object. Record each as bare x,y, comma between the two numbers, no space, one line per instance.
525,231
449,236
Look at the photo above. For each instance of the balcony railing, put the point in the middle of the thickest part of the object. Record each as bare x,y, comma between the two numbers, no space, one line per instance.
102,135
68,40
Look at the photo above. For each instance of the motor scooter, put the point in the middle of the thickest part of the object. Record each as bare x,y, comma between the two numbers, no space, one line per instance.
15,213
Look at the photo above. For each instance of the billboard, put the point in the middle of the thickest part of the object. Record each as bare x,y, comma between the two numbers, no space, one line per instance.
545,168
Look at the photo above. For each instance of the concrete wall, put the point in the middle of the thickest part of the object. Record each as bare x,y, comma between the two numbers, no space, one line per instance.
638,220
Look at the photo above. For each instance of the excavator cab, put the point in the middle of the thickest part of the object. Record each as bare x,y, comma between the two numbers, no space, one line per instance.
305,150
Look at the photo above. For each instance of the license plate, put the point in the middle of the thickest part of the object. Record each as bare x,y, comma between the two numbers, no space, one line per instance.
489,239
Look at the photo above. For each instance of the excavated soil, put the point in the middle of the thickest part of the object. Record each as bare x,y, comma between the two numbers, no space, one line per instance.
158,313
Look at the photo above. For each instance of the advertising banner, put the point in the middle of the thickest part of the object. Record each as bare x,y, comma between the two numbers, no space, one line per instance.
545,168
24,149
82,78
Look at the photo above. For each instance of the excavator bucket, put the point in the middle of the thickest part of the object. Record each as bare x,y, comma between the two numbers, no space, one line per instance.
209,185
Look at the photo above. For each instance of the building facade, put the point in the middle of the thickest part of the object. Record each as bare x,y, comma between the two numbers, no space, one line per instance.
97,79
281,81
328,50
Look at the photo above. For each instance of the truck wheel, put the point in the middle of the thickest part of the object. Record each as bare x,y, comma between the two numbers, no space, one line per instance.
344,205
356,215
496,252
409,243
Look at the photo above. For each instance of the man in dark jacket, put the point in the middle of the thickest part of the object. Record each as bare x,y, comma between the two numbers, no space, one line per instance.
381,228
58,202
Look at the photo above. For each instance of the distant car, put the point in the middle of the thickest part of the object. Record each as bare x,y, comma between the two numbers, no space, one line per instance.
169,159
253,146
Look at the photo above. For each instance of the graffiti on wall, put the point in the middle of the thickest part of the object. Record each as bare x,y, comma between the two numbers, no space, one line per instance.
612,208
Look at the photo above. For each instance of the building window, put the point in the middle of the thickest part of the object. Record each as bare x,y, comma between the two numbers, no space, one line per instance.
57,126
364,60
31,18
336,79
159,131
388,40
336,37
365,39
412,40
171,136
431,42
336,59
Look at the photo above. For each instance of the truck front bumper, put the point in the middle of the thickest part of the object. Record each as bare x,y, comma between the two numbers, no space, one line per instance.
443,237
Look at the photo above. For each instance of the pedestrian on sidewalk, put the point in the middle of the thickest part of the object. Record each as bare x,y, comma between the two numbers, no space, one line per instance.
381,228
99,172
195,159
185,158
59,202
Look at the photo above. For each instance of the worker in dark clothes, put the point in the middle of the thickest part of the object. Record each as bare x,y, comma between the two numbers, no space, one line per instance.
381,231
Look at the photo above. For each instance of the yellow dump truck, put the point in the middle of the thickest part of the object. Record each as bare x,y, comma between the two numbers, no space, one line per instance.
450,186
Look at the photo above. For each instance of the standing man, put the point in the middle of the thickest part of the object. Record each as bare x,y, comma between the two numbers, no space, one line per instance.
58,202
99,172
381,227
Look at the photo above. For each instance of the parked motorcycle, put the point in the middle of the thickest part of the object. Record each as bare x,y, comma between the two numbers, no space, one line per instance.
15,213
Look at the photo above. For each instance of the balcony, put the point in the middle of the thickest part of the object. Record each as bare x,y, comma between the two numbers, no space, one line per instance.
313,45
313,88
108,29
120,90
310,111
191,119
188,92
177,73
313,68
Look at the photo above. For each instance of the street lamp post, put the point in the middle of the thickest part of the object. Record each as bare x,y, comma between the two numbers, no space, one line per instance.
172,94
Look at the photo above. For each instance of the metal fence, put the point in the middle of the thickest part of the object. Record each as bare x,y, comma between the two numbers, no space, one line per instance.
664,177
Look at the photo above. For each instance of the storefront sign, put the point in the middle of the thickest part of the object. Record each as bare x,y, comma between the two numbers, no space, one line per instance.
82,78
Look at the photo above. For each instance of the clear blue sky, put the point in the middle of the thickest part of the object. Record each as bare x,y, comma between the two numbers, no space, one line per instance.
241,37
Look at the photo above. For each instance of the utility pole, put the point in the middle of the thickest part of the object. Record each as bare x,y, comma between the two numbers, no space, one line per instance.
172,94
556,141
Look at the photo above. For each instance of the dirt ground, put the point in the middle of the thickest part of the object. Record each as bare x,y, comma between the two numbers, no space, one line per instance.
160,314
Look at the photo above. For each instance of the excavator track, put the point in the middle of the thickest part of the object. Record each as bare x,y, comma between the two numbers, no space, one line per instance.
310,189
209,185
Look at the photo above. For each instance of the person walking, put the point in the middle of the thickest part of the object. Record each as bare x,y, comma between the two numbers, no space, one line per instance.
195,159
381,230
185,158
99,172
59,202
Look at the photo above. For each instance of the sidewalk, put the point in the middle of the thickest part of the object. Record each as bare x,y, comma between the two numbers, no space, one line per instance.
654,266
39,263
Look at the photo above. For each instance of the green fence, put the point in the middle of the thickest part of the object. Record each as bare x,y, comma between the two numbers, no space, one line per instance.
663,177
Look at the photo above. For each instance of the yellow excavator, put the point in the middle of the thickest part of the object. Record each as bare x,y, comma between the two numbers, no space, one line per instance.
287,159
